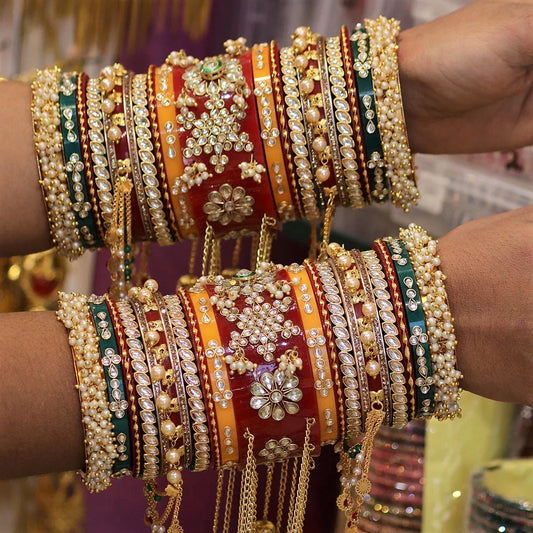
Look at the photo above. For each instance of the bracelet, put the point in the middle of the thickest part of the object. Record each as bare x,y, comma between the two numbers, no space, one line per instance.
197,458
390,338
418,338
318,352
100,445
345,159
362,67
297,133
371,336
147,407
441,332
345,352
403,352
102,179
141,117
382,35
284,128
171,149
166,209
51,163
74,168
111,362
270,133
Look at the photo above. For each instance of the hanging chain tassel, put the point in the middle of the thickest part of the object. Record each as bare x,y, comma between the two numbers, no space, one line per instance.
174,492
266,235
265,525
326,225
281,494
248,497
220,486
358,461
189,279
118,237
215,262
296,521
292,494
208,249
229,500
142,272
313,241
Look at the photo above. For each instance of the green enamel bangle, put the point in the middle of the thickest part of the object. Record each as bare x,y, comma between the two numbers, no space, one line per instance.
418,338
367,108
74,167
111,362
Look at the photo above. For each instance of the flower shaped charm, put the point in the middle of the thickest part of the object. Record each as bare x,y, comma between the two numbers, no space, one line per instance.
274,395
228,204
278,450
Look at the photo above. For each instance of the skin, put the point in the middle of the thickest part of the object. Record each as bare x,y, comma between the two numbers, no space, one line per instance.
467,82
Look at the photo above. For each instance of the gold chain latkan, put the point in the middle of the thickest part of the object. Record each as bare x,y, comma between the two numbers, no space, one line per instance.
296,519
229,500
220,486
248,497
326,224
281,494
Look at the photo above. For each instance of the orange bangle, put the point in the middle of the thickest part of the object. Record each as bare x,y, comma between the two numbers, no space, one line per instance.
171,150
270,133
319,356
228,450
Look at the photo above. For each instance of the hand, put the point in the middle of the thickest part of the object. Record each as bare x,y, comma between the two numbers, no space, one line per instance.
467,79
488,263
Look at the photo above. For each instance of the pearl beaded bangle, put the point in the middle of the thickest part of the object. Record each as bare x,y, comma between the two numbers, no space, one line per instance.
441,332
100,446
51,163
382,35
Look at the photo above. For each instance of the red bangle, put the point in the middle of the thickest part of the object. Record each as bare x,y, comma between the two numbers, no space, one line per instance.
397,302
217,192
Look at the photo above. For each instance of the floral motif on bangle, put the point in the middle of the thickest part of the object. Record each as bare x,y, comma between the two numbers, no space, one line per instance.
278,450
417,338
228,204
275,394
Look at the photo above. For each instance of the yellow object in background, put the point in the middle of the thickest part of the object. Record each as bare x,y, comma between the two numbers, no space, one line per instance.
454,450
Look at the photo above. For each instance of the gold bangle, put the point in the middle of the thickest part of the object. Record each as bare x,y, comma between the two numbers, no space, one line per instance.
345,351
298,140
390,338
270,134
139,97
345,152
317,352
373,345
134,158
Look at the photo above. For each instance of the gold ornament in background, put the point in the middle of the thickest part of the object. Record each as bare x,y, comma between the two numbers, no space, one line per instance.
106,24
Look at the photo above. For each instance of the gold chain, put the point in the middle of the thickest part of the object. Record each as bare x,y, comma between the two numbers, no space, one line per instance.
327,222
268,490
220,486
229,500
281,494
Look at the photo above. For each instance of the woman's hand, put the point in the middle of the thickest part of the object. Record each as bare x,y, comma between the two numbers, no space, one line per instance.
489,265
467,79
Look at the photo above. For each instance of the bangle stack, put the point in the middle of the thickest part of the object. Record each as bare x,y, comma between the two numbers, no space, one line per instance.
224,140
232,373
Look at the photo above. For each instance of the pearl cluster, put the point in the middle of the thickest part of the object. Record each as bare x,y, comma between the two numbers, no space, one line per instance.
382,34
441,332
305,44
51,163
100,445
